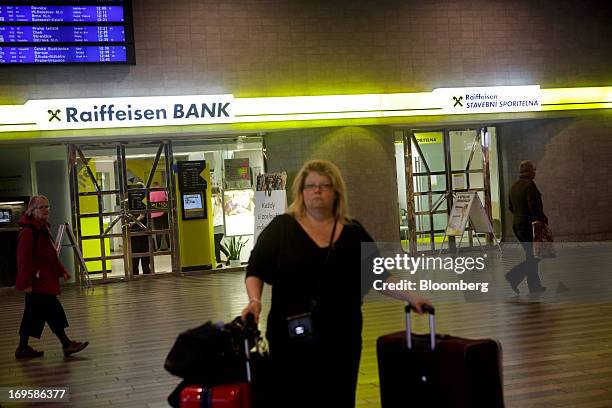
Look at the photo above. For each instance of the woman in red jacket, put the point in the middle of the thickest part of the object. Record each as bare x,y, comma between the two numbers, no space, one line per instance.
38,273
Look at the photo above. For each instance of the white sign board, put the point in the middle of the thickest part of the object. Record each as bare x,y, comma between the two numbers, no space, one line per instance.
490,99
468,207
89,113
268,204
239,212
459,181
458,219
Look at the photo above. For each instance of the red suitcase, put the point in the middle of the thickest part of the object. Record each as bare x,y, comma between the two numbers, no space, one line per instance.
438,370
221,396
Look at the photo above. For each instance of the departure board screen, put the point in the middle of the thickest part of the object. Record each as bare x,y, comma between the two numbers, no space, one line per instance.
61,14
62,55
46,34
66,32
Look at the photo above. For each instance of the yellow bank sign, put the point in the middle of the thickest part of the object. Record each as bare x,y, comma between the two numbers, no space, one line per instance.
186,110
59,114
429,137
490,99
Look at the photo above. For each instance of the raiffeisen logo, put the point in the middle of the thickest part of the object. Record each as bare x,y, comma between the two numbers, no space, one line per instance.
109,113
54,114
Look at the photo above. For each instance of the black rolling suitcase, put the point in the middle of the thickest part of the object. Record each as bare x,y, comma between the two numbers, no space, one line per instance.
438,370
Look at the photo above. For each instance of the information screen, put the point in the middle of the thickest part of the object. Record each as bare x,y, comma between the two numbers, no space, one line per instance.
69,54
60,34
192,201
194,206
61,14
66,32
6,215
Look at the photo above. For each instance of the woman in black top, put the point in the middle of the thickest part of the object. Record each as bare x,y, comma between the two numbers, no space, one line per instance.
312,258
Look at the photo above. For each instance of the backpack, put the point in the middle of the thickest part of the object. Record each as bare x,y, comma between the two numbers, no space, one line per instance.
9,263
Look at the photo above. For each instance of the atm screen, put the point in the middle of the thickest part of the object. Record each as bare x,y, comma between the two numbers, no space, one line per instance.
194,206
192,201
6,216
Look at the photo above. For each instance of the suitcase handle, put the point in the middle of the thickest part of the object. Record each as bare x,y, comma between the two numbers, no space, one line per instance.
432,325
250,324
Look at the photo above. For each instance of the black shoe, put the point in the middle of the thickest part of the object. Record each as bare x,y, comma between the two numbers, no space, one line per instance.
75,347
513,285
27,352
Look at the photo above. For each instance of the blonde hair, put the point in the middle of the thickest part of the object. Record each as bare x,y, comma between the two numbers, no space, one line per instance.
34,203
331,171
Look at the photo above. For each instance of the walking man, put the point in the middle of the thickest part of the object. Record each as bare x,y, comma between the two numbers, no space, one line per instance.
526,207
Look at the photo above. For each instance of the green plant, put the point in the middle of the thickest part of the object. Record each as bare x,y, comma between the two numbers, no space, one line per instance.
234,247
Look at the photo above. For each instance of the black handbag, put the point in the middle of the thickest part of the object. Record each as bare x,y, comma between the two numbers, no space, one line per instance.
209,354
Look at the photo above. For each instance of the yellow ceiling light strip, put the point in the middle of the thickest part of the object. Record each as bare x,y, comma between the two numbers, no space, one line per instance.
576,95
577,98
345,105
14,115
306,104
296,109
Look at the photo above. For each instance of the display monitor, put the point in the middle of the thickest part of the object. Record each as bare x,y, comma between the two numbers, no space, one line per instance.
194,206
66,32
192,201
6,215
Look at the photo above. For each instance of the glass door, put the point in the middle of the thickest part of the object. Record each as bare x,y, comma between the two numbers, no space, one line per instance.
431,166
423,189
122,199
473,158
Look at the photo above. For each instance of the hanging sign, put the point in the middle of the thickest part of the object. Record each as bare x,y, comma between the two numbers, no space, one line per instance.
268,204
270,199
490,99
428,137
89,113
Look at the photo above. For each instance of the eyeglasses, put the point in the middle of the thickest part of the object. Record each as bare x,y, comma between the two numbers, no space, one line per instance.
43,207
322,187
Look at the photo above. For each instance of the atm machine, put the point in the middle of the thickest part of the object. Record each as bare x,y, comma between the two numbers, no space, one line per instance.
195,229
11,209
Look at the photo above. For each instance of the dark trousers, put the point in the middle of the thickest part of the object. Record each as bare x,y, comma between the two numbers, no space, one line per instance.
219,248
140,244
529,267
161,223
305,377
41,308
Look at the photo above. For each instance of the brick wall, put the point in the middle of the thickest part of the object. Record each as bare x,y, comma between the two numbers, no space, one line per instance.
573,172
366,158
277,47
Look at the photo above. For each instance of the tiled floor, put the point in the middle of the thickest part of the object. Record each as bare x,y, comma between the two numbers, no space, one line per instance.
557,347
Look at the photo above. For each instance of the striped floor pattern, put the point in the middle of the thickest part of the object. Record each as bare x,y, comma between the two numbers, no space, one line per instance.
557,350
